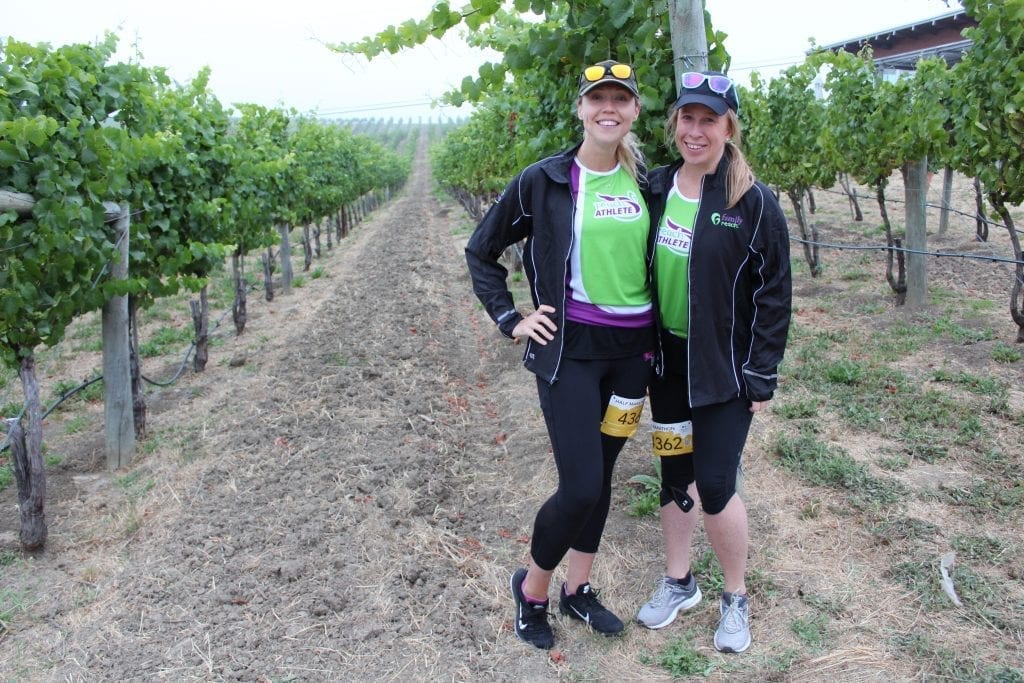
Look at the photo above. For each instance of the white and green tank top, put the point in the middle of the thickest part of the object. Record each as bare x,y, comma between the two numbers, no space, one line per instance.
672,261
608,267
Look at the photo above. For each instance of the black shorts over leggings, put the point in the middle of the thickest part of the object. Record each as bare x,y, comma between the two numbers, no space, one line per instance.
719,434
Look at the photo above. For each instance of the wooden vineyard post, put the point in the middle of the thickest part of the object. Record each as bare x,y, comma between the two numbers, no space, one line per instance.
119,425
916,184
687,37
117,387
947,193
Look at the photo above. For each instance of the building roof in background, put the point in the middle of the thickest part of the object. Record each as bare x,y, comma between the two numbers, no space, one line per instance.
902,46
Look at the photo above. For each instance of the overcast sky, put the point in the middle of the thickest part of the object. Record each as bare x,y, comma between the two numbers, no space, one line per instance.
273,53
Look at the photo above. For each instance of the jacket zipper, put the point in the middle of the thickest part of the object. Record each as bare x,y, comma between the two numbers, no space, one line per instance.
689,287
565,273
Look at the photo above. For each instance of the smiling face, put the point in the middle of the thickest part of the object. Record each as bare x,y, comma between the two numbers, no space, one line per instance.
701,135
607,112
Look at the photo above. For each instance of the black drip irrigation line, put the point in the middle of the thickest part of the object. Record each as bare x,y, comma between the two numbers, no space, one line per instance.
166,383
181,368
65,396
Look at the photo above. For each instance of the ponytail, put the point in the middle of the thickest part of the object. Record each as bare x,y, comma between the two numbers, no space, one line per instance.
629,155
740,177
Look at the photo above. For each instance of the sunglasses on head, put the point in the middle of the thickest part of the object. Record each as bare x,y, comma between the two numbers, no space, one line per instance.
598,71
718,84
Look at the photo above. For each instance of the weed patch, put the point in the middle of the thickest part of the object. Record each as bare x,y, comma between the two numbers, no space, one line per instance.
166,340
683,660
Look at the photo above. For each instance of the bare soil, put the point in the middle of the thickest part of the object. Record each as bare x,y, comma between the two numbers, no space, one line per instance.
347,499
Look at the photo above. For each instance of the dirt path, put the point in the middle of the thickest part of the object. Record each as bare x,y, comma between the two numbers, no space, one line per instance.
340,516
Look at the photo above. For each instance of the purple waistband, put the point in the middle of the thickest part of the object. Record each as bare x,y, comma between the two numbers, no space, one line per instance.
589,314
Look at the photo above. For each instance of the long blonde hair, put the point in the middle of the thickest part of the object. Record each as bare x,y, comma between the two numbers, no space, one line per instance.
740,177
630,156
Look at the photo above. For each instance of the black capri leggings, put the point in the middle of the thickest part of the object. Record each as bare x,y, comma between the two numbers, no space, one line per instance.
574,406
719,434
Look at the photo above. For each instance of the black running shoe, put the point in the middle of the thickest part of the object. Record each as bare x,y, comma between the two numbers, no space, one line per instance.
585,606
531,622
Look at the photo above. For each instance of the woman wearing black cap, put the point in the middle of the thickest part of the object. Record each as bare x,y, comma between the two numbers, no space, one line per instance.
590,338
722,286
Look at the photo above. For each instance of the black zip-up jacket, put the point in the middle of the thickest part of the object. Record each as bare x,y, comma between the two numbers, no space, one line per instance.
536,206
740,295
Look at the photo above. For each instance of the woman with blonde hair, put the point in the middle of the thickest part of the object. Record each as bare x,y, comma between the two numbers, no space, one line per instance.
590,339
722,291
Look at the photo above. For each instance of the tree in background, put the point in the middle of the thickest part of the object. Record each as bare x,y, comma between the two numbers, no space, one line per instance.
783,120
861,136
542,57
989,117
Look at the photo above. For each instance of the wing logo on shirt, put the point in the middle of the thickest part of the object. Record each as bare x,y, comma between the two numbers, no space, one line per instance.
675,236
622,208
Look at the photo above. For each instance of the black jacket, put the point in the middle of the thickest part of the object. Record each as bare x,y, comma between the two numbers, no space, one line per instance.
536,206
739,289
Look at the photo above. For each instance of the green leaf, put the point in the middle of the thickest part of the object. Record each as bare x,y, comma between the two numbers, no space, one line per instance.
620,11
8,153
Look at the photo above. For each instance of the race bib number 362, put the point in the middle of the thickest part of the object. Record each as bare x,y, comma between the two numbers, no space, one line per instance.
672,439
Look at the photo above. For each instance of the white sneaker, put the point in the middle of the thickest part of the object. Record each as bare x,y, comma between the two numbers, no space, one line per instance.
668,599
733,634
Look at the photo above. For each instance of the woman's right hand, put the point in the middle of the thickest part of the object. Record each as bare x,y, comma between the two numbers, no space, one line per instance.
537,326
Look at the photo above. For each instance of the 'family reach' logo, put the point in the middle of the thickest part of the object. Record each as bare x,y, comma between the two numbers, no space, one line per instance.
726,221
620,208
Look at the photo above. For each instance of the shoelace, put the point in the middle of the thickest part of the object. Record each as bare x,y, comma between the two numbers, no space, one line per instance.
588,598
732,619
661,594
534,618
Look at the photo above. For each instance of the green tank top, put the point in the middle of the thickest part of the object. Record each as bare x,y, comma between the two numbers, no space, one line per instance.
672,261
608,260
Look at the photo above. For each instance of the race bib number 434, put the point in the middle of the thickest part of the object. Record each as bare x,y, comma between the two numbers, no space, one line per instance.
622,417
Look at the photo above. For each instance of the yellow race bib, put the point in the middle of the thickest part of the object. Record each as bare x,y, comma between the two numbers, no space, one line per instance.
672,439
622,417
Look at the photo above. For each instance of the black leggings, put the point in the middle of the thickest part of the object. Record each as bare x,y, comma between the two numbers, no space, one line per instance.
719,433
575,515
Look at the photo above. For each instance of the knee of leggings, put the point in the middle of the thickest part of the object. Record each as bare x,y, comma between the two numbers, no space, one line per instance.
713,499
674,494
665,497
579,504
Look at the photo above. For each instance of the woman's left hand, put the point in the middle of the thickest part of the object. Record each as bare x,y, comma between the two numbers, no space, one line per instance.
758,406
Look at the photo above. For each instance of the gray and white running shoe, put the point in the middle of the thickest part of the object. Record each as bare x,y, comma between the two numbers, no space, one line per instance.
733,634
668,599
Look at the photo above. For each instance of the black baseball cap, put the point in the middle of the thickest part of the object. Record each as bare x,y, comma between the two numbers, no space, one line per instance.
608,71
713,89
